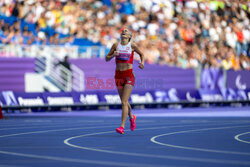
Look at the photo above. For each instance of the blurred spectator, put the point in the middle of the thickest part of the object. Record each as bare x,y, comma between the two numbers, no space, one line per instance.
65,63
66,76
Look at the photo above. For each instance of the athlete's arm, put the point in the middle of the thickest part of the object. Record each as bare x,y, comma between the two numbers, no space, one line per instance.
137,50
112,53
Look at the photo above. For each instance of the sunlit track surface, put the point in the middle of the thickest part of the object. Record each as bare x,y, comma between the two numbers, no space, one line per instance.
157,141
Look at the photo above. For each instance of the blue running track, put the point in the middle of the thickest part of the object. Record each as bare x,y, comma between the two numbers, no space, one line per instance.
212,137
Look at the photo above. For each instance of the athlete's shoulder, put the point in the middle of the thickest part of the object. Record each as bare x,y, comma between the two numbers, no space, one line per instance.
114,46
133,45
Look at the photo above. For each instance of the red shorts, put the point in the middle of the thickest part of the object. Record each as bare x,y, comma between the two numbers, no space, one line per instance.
124,77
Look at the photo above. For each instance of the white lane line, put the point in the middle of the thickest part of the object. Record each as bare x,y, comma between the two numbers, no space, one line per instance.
54,130
38,120
78,123
153,139
66,141
28,124
48,126
36,126
95,162
45,131
10,166
16,125
56,125
240,140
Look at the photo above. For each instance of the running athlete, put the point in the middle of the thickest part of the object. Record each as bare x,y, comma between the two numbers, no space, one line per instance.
123,52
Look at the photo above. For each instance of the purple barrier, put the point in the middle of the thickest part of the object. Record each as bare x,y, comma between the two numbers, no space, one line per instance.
176,95
152,77
2,101
238,79
58,98
29,98
212,79
210,95
9,98
87,97
12,71
190,95
21,98
247,91
112,97
234,94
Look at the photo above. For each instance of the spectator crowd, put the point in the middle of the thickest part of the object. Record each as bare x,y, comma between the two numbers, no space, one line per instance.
184,33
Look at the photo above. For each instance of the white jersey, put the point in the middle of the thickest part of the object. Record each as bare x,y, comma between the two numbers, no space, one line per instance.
125,53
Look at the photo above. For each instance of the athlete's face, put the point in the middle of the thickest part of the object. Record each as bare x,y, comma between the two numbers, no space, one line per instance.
125,34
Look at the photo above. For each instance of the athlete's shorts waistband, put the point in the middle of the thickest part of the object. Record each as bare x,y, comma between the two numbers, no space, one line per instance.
126,73
124,77
129,70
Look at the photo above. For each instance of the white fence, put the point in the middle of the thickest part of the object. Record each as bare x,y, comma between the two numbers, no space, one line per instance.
47,57
56,51
63,78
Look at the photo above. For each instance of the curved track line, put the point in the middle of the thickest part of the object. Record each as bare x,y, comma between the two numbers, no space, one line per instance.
43,125
103,162
54,130
95,162
194,148
48,126
108,163
22,126
66,141
240,140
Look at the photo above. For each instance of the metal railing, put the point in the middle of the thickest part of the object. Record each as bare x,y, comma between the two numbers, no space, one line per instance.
46,58
35,51
59,75
78,78
11,50
92,51
40,65
63,78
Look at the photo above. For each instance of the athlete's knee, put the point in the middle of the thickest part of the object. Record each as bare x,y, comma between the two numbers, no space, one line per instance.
125,103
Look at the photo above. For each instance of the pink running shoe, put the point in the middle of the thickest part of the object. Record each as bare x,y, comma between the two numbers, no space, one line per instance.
132,123
120,130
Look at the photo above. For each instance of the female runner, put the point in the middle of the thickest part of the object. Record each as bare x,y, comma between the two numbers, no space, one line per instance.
123,52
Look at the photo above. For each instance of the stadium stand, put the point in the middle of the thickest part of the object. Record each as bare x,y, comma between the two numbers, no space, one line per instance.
215,33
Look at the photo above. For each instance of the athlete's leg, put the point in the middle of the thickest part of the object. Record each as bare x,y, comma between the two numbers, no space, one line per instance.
130,111
127,89
120,91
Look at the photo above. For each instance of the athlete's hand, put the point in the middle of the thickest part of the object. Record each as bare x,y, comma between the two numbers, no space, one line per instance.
116,53
141,65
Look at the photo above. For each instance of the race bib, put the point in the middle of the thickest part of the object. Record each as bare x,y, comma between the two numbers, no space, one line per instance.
123,56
